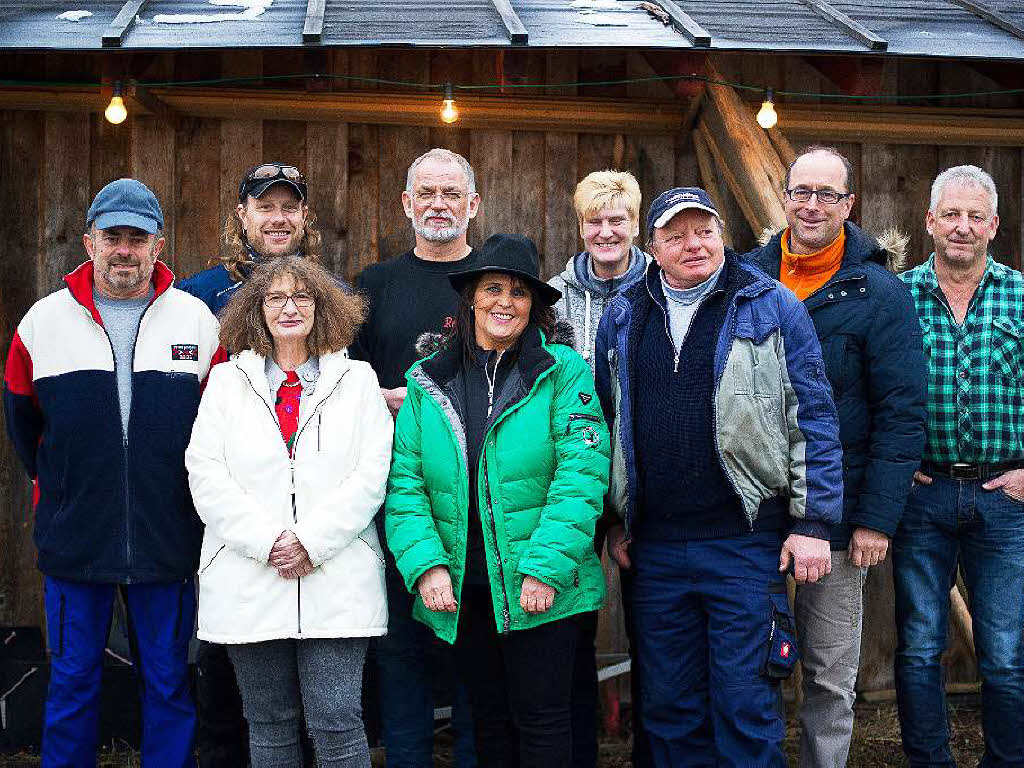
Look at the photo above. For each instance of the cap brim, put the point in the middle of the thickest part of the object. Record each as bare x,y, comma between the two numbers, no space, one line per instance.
666,217
548,294
124,219
257,190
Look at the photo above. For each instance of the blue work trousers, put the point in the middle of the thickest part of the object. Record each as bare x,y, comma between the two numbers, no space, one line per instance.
404,673
947,523
160,620
702,616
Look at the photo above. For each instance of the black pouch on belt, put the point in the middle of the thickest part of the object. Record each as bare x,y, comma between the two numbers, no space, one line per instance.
782,654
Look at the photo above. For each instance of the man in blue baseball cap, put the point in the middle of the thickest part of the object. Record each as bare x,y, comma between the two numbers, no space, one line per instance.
101,388
726,472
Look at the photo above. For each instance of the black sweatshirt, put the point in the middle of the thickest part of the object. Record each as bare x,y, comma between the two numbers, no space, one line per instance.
408,296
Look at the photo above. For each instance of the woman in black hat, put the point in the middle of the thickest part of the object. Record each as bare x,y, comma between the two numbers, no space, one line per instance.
497,478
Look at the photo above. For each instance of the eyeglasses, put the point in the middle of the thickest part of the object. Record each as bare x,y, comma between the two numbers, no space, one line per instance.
825,196
449,196
272,171
279,300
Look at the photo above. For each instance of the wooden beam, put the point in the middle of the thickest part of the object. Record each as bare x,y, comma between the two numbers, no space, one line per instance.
685,25
517,33
993,17
839,19
708,177
313,29
118,29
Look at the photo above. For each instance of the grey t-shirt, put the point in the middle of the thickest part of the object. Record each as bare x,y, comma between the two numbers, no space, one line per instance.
121,318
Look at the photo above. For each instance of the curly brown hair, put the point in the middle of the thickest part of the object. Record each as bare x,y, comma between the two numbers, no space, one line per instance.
311,246
335,323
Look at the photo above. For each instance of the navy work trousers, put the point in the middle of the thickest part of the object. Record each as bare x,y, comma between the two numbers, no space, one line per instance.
160,619
702,613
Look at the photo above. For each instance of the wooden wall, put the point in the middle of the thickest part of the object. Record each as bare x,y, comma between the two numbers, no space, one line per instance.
52,163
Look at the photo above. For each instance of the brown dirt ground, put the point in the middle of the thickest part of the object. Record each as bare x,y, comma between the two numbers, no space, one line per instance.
876,741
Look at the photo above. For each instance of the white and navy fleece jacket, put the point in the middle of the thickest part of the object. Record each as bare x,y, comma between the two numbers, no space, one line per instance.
110,508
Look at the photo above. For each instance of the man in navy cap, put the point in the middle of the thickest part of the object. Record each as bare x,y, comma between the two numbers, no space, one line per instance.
100,391
726,472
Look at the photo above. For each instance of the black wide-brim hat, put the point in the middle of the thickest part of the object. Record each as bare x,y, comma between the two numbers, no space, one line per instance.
511,255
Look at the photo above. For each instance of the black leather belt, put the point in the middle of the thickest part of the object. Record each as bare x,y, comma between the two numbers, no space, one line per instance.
962,470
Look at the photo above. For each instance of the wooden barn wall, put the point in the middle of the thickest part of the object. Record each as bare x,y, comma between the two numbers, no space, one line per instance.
53,163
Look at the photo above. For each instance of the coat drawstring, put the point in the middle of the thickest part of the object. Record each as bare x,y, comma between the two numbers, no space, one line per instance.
585,341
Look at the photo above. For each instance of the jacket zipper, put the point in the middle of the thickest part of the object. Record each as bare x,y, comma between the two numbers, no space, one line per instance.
580,416
291,465
506,615
491,381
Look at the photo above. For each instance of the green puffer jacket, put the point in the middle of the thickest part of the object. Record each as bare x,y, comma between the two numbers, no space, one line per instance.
543,472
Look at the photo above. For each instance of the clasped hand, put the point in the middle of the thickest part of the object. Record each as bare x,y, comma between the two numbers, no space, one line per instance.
435,588
289,557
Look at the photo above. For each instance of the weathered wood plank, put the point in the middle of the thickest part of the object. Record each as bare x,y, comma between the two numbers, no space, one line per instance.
993,17
561,238
109,153
363,198
152,163
517,33
21,136
241,146
398,148
196,211
313,27
491,158
65,198
527,173
118,29
684,23
284,141
327,177
853,28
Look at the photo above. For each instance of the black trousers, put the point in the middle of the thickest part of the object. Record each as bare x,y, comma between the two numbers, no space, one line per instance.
584,694
520,686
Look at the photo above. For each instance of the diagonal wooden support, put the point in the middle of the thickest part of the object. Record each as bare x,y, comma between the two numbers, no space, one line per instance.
313,28
517,33
118,29
991,16
685,25
839,19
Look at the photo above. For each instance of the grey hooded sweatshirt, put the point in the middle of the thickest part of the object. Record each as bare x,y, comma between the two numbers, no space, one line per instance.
585,296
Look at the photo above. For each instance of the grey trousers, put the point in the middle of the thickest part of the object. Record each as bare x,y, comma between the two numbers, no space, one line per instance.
828,622
323,678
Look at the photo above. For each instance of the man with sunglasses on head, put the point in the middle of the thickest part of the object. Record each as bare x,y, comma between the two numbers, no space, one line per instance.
871,343
410,296
271,219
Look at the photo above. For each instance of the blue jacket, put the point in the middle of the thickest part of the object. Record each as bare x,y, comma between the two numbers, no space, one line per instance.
213,286
111,508
871,342
775,424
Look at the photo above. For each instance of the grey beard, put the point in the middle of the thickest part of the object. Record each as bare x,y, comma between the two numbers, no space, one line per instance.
446,235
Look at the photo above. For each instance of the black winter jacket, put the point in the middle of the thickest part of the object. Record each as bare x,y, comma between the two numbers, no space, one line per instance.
871,341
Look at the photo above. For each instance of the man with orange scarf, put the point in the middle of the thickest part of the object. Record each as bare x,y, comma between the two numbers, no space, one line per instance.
871,342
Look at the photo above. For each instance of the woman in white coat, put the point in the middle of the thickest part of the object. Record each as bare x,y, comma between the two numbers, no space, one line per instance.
288,464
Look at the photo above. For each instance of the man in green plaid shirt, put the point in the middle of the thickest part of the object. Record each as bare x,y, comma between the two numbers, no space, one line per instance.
967,504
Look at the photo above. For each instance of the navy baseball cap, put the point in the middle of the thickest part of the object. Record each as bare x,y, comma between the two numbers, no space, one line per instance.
125,203
668,204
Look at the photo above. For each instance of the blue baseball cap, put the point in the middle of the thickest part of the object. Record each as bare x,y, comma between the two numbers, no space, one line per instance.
668,204
125,203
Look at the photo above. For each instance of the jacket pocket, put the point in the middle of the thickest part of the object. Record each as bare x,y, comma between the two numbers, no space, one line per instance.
204,568
1006,346
376,553
781,654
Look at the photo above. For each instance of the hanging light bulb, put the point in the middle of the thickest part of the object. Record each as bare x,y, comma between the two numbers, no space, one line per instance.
449,114
767,117
116,111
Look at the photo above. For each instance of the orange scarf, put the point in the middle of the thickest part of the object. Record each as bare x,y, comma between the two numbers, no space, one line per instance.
802,273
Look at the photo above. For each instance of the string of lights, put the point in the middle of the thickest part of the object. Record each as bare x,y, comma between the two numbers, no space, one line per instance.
767,117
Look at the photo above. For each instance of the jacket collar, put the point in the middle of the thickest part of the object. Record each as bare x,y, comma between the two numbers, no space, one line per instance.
739,280
332,368
80,283
860,248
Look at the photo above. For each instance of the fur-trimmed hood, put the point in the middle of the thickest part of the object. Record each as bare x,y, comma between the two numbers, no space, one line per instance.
428,343
891,252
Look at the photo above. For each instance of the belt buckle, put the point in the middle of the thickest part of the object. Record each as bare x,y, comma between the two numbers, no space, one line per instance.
961,470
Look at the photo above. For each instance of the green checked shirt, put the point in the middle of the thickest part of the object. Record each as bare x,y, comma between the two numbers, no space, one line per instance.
975,377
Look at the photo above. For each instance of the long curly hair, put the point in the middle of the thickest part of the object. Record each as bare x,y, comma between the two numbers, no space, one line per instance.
336,320
311,245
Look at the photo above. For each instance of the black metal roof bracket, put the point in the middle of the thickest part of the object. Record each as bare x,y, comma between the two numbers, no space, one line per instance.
313,29
118,29
685,25
517,33
839,19
993,17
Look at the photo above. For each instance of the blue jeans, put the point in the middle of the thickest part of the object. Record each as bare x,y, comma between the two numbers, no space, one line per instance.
944,523
702,613
406,690
160,621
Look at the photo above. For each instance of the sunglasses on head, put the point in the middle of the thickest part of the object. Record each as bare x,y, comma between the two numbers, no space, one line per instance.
269,172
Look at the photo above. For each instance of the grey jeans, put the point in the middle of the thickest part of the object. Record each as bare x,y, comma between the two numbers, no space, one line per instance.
323,678
828,620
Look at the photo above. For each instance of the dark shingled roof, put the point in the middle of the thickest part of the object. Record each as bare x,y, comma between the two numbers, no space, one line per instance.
939,28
